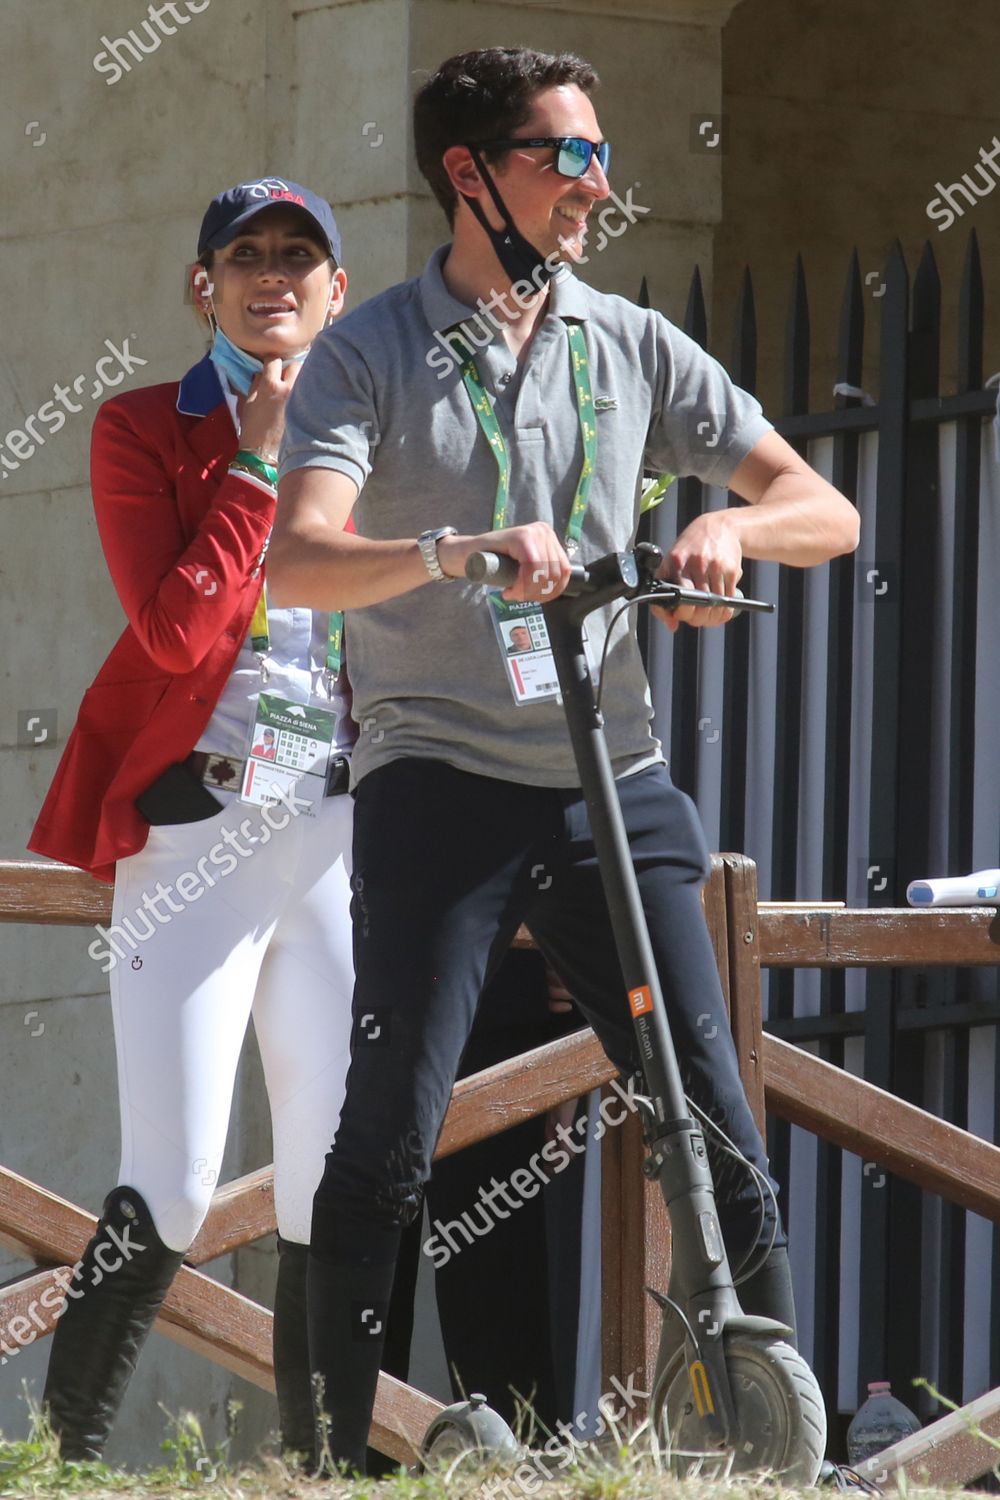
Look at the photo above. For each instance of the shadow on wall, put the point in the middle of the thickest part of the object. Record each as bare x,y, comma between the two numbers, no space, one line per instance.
854,125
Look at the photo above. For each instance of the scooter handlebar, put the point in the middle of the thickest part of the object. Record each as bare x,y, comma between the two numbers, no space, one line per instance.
501,571
491,567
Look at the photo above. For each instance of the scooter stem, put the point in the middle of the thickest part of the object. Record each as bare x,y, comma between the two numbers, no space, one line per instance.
678,1161
586,727
701,1283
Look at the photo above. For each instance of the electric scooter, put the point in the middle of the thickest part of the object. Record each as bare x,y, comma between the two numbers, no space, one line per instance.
734,1391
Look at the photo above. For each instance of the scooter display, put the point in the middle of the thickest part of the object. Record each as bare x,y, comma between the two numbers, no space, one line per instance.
735,1391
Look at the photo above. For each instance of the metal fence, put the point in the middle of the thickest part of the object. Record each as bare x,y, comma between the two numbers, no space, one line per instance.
848,744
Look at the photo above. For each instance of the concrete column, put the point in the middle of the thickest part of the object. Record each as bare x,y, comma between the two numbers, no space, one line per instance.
846,122
116,145
659,62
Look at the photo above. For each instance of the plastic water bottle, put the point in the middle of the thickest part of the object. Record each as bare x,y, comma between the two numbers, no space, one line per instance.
879,1423
981,888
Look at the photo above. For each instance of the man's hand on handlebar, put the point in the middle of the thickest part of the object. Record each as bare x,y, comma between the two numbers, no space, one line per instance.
707,555
537,550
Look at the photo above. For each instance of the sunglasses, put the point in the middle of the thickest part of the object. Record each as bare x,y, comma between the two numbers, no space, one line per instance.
574,152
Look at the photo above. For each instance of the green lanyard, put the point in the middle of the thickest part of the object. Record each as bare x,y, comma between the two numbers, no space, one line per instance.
486,416
260,639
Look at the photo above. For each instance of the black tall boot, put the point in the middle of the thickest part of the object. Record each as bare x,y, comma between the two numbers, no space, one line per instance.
399,1333
291,1355
348,1311
112,1299
767,1293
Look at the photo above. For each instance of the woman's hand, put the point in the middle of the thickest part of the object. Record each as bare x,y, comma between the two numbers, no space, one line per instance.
560,1001
262,420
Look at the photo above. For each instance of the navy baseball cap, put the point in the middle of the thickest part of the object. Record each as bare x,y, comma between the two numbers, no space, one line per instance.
227,214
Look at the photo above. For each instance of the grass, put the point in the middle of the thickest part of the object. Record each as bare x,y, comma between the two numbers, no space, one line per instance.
33,1468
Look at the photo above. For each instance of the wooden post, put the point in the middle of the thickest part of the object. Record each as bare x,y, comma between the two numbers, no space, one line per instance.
635,1254
743,964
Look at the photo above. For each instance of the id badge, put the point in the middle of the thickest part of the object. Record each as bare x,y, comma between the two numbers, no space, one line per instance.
290,749
523,639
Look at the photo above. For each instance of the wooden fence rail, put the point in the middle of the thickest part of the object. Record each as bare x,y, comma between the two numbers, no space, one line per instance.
880,1128
236,1333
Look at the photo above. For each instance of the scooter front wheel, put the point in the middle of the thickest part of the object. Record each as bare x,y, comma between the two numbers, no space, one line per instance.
780,1416
469,1431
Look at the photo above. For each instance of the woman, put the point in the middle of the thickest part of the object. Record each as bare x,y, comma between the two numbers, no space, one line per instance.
231,892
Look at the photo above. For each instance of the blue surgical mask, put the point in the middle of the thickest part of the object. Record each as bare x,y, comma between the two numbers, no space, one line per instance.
240,367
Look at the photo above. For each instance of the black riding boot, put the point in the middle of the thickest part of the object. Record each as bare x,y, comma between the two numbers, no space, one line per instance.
765,1294
291,1355
768,1292
112,1299
348,1310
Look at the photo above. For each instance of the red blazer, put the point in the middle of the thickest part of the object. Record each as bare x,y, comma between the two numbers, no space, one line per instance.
183,541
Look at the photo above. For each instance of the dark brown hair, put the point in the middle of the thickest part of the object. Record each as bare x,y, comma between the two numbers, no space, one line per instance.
482,96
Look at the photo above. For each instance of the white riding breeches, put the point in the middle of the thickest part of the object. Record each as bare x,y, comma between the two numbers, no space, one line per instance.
215,922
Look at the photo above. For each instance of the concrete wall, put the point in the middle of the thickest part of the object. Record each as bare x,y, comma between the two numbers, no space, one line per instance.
841,122
108,169
838,122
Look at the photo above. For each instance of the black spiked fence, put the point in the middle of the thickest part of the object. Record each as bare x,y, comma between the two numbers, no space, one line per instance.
847,763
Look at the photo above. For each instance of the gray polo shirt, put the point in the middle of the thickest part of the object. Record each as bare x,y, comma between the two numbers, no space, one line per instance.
381,399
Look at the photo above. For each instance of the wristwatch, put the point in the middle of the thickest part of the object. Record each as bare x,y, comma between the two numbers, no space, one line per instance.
427,541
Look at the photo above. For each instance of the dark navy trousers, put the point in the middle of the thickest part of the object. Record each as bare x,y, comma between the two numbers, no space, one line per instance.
446,867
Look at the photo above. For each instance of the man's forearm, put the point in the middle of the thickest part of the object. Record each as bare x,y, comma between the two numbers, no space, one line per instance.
318,568
793,515
797,522
314,562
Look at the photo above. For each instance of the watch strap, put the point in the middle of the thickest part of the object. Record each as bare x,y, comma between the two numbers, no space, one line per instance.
428,544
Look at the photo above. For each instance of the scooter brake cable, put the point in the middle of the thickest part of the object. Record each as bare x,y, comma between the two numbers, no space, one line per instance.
756,1176
676,1307
760,1181
639,599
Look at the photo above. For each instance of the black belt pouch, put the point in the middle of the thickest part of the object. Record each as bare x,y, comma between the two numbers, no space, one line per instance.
178,796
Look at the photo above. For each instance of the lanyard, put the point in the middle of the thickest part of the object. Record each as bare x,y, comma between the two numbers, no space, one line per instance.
486,416
260,640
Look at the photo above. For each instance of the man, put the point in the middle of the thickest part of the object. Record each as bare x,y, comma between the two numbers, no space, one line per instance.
469,818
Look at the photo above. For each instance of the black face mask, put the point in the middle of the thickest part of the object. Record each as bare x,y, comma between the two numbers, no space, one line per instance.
518,256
